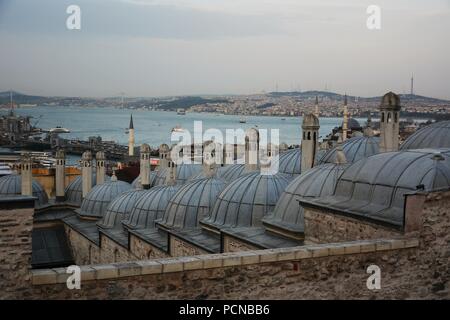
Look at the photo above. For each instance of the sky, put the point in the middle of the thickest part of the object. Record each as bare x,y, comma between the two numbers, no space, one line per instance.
189,47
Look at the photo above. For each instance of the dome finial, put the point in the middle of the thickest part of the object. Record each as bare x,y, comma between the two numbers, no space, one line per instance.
340,155
114,177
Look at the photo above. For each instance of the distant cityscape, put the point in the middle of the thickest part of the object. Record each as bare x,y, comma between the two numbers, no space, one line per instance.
267,104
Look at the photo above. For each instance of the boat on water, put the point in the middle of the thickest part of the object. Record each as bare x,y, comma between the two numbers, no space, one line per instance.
242,120
177,128
181,111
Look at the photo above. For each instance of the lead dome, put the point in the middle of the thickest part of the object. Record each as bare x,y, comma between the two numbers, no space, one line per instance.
191,203
247,199
11,185
436,135
150,206
355,149
375,188
120,209
97,200
74,190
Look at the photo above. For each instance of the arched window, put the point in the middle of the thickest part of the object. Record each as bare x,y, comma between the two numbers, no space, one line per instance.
382,117
315,136
395,117
309,135
389,118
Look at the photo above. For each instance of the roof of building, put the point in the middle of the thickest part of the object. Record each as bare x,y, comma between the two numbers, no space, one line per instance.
231,172
316,182
150,206
247,199
11,185
74,190
50,248
97,200
184,172
355,149
290,161
136,184
374,188
436,135
120,209
191,203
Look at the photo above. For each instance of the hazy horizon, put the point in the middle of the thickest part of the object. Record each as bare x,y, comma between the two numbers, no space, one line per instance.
155,48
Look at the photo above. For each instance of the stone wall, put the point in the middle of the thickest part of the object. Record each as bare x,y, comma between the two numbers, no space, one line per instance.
332,271
231,244
16,223
323,227
83,250
181,248
410,268
143,250
111,251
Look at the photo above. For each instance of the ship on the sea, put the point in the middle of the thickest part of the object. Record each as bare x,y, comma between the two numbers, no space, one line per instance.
181,111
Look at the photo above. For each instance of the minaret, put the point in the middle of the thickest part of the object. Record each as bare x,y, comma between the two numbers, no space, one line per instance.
412,84
345,122
310,128
145,166
26,174
131,138
86,172
389,123
316,108
60,175
251,149
100,163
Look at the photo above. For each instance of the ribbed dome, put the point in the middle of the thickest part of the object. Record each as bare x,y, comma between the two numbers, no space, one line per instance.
119,209
136,184
231,172
317,182
74,191
192,203
247,199
97,200
11,185
184,172
375,187
355,149
436,135
291,161
202,174
150,207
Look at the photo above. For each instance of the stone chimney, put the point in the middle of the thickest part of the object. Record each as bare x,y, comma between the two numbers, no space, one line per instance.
26,166
164,152
86,172
145,166
101,170
310,141
60,175
171,179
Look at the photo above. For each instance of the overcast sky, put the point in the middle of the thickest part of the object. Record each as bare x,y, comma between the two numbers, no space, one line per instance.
179,47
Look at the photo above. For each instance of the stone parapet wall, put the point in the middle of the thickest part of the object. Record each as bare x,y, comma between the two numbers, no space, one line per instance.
331,271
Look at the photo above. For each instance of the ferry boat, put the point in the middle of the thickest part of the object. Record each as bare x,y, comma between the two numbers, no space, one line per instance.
181,112
242,120
178,128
